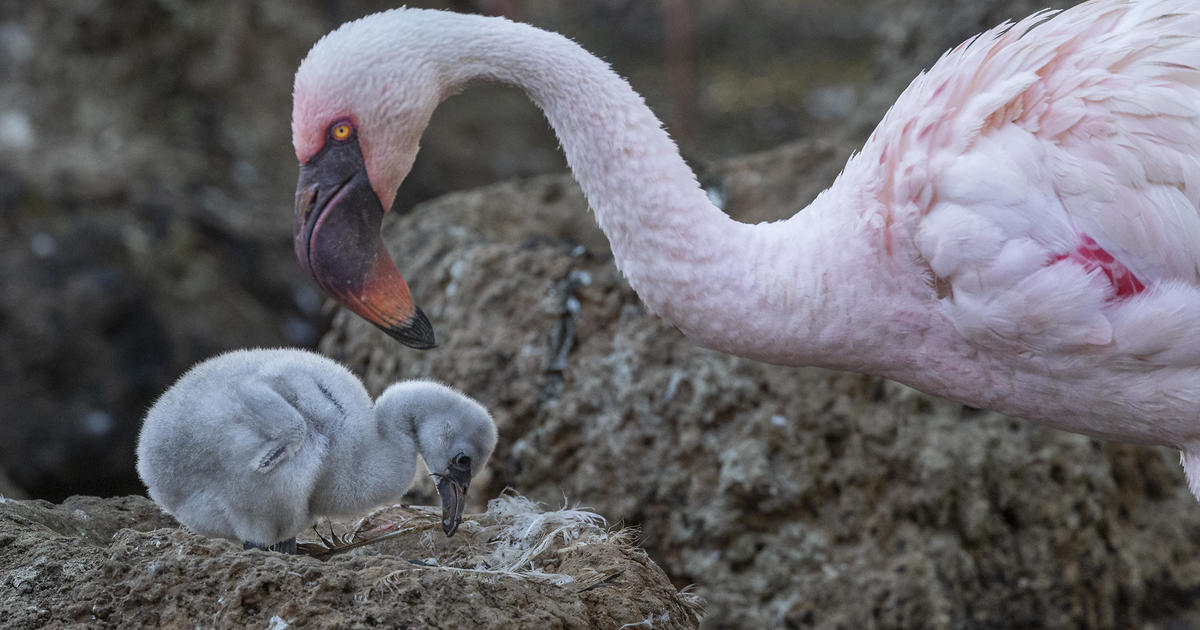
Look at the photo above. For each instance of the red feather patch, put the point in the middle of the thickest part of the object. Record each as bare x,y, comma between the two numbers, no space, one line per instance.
1092,256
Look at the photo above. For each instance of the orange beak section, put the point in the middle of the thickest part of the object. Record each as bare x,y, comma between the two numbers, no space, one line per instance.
384,300
338,218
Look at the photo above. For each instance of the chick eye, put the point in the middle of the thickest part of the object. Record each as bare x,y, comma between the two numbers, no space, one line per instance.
462,460
341,130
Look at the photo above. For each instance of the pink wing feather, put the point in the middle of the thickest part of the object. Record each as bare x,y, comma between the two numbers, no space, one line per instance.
1049,170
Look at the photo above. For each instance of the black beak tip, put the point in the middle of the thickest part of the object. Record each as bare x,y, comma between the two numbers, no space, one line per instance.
416,333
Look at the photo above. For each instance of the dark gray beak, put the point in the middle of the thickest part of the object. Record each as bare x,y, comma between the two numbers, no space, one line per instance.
452,486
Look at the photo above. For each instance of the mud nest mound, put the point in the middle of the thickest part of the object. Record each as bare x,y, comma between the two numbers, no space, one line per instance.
121,562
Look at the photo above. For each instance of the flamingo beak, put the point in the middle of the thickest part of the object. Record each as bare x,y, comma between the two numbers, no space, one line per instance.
452,487
338,218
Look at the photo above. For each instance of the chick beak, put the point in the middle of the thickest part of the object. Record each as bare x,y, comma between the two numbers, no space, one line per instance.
338,219
452,487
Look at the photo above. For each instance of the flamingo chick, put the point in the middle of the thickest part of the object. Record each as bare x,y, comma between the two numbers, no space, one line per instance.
1020,233
255,445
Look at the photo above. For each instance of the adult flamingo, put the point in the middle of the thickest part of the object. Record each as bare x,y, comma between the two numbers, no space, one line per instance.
1020,233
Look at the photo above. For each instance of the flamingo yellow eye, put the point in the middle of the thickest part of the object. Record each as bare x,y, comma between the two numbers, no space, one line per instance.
342,131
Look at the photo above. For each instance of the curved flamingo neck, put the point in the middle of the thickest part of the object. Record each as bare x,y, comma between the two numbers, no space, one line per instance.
763,291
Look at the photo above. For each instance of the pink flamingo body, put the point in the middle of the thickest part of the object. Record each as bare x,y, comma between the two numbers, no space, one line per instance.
1020,233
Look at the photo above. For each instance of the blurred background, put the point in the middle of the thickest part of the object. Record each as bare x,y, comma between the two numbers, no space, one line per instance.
146,175
146,186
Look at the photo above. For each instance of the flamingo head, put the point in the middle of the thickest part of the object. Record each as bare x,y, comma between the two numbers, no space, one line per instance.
356,122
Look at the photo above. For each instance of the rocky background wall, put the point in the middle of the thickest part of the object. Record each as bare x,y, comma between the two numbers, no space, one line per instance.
145,198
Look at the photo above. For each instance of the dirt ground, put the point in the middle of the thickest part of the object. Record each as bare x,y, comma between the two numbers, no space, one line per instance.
121,563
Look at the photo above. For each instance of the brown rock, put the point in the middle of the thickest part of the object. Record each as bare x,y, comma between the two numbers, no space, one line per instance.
790,497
